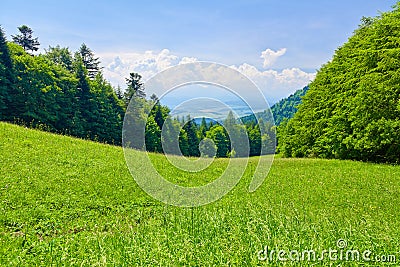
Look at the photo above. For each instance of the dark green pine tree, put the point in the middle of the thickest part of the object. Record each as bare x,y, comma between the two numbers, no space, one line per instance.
89,60
203,129
119,93
6,79
193,140
158,115
83,115
135,88
154,98
26,39
109,111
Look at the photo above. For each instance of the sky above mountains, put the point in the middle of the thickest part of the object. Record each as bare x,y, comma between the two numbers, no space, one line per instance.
278,44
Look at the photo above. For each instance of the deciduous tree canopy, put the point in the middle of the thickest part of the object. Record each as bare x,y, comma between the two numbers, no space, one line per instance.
352,109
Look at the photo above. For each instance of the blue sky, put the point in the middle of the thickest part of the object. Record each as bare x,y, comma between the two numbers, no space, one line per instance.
147,36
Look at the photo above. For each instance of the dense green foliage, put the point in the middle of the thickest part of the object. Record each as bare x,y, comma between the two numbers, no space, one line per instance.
54,92
69,202
287,107
352,109
66,101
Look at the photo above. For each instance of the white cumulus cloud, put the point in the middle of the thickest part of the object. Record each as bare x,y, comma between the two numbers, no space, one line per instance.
270,56
274,84
118,66
186,60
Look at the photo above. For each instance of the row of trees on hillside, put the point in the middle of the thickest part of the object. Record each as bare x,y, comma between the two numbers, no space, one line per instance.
65,92
59,91
230,138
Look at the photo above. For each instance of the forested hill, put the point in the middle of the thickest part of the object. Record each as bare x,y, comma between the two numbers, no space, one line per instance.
352,108
283,110
287,107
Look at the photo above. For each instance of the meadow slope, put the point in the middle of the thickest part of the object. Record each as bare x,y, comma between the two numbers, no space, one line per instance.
65,201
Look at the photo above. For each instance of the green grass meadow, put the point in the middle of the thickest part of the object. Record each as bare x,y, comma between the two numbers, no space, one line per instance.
70,202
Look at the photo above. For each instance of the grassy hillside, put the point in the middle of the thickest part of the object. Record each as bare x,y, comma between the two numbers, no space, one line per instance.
65,201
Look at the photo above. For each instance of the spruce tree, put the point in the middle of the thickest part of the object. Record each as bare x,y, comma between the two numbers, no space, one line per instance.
135,87
89,60
6,78
26,39
193,140
203,129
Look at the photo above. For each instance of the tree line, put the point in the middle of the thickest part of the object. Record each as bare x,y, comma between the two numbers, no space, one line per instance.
229,138
58,91
65,92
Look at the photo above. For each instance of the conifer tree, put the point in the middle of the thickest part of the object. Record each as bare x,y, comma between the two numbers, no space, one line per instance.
135,87
26,39
89,60
6,79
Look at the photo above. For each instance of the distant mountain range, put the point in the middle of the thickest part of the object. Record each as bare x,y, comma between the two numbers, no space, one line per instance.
284,109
